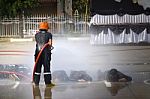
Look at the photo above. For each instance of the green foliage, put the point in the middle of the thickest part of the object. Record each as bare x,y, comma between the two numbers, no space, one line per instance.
12,8
80,5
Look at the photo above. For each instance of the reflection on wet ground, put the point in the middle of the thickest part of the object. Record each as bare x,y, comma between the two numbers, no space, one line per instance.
15,85
84,90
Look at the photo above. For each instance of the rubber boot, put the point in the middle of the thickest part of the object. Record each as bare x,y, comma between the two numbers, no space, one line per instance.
48,82
36,79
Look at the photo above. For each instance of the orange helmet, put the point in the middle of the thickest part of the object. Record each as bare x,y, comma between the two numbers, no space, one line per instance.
44,25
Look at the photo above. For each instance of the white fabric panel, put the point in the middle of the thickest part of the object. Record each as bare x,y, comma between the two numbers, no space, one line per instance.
143,36
115,19
132,37
101,38
117,39
122,37
111,38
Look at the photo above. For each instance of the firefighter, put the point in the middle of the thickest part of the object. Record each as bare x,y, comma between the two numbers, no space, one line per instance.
43,37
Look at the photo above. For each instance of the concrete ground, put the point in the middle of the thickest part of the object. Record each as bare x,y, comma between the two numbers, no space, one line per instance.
77,54
83,90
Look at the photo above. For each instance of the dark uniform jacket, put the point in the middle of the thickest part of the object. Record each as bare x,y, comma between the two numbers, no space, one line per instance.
41,39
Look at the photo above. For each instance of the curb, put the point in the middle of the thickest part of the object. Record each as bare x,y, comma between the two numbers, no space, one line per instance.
21,39
4,40
78,38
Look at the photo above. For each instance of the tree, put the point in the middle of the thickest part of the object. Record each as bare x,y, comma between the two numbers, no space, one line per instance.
14,8
80,5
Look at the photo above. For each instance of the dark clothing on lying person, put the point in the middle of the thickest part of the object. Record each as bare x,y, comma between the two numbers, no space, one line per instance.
116,76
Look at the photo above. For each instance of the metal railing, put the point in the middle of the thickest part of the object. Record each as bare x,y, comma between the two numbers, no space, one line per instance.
58,25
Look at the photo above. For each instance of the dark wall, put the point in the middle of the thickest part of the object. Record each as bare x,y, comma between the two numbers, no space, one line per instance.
43,8
110,7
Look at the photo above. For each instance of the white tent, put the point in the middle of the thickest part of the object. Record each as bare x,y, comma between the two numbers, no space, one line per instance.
125,36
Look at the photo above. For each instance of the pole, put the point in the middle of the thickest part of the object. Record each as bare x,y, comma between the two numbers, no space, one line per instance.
86,14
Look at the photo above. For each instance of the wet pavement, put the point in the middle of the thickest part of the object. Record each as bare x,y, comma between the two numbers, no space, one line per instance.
78,54
75,54
82,90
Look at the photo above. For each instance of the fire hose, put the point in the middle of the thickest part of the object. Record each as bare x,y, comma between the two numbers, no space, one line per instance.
22,75
38,56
